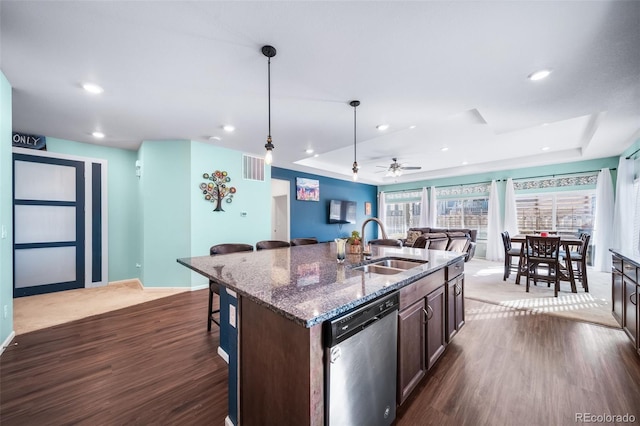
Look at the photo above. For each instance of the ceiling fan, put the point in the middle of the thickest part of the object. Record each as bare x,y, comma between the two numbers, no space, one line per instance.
395,168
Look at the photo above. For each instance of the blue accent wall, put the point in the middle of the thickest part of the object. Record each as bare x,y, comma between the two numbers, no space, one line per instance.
310,218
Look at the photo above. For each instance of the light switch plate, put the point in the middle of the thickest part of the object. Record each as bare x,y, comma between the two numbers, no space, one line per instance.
4,232
232,316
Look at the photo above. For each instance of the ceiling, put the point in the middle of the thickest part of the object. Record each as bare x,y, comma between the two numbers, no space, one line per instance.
455,70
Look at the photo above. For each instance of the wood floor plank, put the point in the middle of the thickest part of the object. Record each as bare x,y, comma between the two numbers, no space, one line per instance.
155,364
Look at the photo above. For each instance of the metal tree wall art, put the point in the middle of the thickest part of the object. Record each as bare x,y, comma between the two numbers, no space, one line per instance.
217,188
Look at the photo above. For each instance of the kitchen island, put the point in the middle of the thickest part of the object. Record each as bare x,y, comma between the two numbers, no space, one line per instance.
283,298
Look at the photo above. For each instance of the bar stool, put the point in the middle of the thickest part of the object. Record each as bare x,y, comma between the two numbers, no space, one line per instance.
214,287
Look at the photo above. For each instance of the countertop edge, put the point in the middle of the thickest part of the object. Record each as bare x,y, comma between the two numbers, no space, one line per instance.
337,311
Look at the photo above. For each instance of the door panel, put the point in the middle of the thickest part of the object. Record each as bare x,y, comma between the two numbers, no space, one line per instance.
40,224
42,266
49,224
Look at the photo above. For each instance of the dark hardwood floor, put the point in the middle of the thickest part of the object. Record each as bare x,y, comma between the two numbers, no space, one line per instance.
155,364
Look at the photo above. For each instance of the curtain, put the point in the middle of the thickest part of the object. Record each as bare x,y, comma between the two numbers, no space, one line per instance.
510,210
623,211
382,211
424,209
433,208
495,249
603,222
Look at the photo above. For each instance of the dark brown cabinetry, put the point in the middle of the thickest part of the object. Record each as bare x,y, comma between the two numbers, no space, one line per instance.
455,298
431,312
624,294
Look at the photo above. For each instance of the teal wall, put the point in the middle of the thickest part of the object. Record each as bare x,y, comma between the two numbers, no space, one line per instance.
527,172
6,212
166,214
124,227
252,197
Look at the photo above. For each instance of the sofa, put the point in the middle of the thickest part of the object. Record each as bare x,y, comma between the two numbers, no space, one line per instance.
461,240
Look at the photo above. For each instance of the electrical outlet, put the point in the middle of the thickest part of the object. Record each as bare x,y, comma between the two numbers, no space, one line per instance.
243,214
232,316
4,232
138,265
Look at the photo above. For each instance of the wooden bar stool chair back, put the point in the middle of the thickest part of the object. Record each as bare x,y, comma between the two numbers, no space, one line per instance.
214,287
303,241
271,244
543,251
509,254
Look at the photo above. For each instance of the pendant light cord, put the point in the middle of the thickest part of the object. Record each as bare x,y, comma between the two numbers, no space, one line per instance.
269,92
354,135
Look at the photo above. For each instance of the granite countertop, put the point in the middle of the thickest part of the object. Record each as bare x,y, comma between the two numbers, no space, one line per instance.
627,255
306,284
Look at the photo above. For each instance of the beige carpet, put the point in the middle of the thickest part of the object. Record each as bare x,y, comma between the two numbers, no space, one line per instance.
483,281
45,310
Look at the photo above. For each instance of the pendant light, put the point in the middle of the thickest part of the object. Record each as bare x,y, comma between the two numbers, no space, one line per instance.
269,52
354,104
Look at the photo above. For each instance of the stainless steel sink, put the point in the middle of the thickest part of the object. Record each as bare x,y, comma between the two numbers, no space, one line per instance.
389,266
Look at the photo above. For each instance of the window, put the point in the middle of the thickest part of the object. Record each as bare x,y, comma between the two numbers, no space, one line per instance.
402,212
464,206
469,213
564,204
566,212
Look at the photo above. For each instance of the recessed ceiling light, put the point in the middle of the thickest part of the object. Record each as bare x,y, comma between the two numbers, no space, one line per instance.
316,155
215,138
464,163
228,128
412,126
382,127
98,135
545,148
539,75
309,151
92,88
545,124
444,149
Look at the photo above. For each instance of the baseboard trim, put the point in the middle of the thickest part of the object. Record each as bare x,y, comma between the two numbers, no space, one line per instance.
223,354
131,280
142,286
8,340
199,287
228,422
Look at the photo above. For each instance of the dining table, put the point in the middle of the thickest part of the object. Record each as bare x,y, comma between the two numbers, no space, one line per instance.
566,271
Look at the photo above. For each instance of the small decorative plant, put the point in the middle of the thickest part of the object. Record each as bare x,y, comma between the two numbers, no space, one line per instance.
355,242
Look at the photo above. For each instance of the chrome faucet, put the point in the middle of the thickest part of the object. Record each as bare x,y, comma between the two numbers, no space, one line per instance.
374,219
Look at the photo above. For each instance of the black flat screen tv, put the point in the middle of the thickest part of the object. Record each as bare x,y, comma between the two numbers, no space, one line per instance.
341,211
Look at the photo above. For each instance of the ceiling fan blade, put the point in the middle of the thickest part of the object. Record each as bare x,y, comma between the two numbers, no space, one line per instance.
411,168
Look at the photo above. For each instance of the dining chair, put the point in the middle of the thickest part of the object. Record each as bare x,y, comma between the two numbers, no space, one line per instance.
214,287
509,254
579,257
271,244
543,251
303,241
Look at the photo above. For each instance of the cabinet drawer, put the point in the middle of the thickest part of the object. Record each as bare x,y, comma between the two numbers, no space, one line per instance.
420,288
617,263
630,271
455,269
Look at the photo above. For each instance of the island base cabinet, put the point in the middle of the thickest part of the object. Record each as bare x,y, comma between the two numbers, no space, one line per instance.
455,306
421,340
436,334
411,348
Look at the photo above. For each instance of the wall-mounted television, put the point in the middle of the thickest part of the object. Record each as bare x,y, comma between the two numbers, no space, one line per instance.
341,211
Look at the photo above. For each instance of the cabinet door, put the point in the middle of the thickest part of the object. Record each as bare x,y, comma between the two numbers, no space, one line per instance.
630,323
436,325
455,306
617,296
411,348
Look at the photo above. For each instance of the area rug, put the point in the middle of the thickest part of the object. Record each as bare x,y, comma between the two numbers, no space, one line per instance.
483,282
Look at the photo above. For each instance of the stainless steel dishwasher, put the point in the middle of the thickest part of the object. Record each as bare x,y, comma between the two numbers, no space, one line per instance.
360,365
